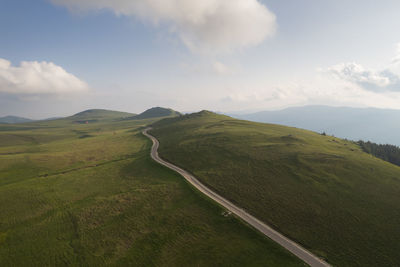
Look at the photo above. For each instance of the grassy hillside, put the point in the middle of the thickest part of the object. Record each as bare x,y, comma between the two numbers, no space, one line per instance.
326,193
89,195
156,113
94,115
14,119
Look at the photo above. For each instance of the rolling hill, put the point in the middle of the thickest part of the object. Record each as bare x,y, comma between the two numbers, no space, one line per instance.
323,192
14,119
156,112
93,115
369,124
89,195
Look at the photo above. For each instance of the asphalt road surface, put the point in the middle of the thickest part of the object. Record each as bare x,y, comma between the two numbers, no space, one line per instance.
285,242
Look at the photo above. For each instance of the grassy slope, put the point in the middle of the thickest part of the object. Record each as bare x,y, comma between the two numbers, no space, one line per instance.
324,192
89,195
156,113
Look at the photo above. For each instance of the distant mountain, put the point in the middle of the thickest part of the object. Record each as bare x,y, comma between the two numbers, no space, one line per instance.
14,119
93,115
377,125
156,112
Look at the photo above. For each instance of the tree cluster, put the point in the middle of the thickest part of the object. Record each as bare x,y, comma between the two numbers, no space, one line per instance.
388,153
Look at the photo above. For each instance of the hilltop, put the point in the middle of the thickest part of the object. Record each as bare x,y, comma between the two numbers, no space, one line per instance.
99,114
156,112
324,192
14,119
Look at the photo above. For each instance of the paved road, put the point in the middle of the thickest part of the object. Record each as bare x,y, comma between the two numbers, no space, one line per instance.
285,242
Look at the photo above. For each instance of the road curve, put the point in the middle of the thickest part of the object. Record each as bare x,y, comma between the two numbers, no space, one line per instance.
285,242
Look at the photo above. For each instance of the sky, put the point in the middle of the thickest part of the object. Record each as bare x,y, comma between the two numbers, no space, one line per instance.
59,57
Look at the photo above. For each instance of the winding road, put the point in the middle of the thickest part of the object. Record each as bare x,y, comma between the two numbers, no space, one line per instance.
285,242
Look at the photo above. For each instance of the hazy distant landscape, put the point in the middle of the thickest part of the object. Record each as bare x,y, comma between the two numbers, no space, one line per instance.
368,124
14,119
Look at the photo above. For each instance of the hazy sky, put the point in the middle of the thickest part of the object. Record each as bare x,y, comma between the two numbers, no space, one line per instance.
58,57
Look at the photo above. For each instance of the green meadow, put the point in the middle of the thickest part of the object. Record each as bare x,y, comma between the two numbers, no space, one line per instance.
88,194
323,192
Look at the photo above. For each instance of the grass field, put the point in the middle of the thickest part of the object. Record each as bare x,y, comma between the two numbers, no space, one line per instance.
76,194
321,191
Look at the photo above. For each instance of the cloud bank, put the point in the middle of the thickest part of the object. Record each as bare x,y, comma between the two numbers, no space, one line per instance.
202,25
37,78
376,81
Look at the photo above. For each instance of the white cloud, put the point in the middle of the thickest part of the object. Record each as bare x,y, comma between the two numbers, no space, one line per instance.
222,69
377,81
202,25
396,59
37,78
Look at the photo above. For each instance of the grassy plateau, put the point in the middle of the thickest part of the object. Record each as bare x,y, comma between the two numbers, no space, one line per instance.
323,192
88,194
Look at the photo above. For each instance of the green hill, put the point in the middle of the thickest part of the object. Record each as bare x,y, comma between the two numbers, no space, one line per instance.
93,115
14,119
156,112
324,192
89,195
